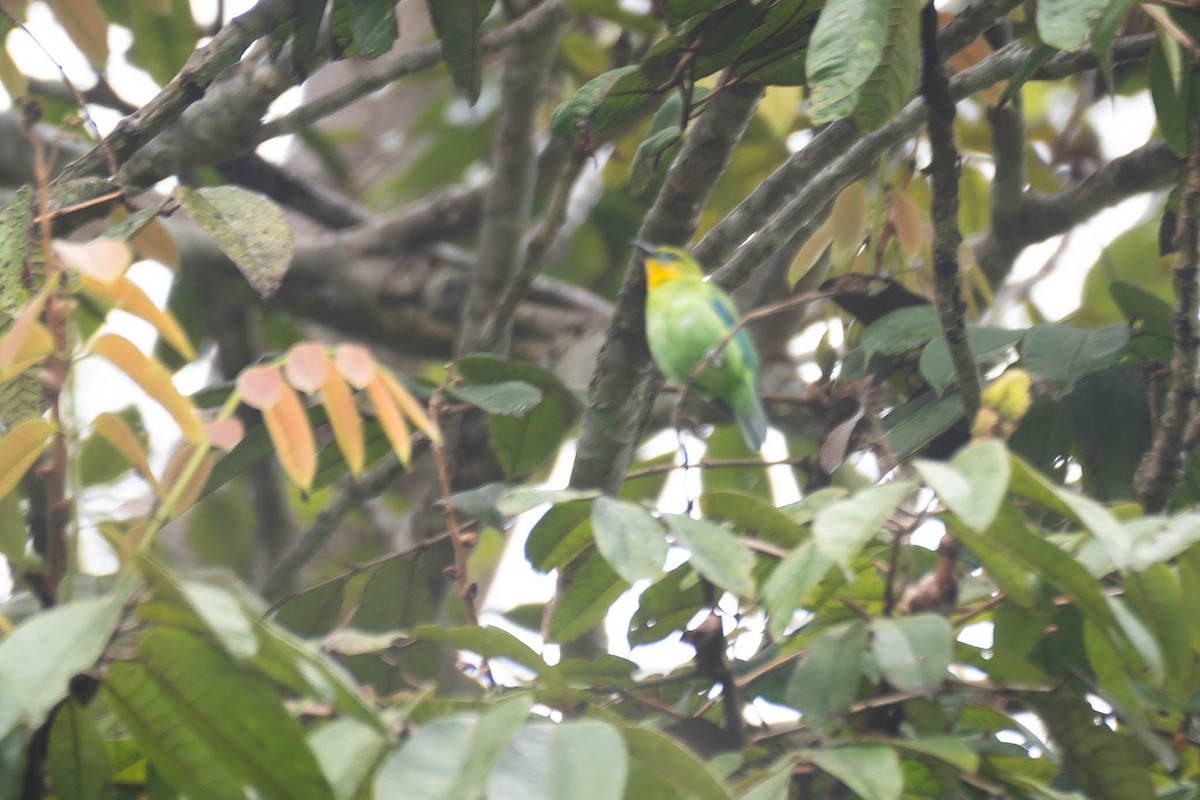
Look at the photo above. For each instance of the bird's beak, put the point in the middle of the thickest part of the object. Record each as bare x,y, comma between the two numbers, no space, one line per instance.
642,247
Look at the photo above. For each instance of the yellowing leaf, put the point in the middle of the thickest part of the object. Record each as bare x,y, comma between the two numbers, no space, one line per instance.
20,352
13,345
356,365
847,221
344,419
306,366
154,380
390,418
410,407
85,23
810,251
291,435
19,448
174,473
156,243
260,386
104,260
128,296
225,433
117,432
907,220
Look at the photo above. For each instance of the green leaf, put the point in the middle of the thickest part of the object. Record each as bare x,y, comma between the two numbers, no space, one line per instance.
509,398
825,682
346,750
586,600
675,763
872,772
842,529
949,749
716,553
487,642
919,421
232,714
755,517
913,652
845,48
1062,354
973,484
666,606
629,538
162,42
313,612
791,582
1068,24
249,229
901,331
75,756
451,757
1160,540
560,535
39,658
457,24
892,82
602,103
1176,95
577,760
987,344
647,156
373,26
774,787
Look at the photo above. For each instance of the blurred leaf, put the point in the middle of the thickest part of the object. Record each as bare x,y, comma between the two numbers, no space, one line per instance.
753,516
486,641
901,331
585,601
892,82
913,652
666,606
85,23
716,553
872,772
562,533
162,41
314,611
918,422
602,103
1068,24
846,46
973,484
152,378
841,529
791,582
630,539
1175,103
347,751
19,448
690,776
987,345
1062,354
582,759
287,424
458,24
825,682
509,398
75,756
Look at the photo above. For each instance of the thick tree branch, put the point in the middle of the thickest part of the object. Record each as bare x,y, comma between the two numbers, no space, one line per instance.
187,87
625,382
509,200
1162,467
943,175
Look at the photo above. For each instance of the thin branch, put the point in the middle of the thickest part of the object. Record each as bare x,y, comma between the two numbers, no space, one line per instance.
1162,467
943,172
188,86
462,579
352,496
509,200
425,58
316,201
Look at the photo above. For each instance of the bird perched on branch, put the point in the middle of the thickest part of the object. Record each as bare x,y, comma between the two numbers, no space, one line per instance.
689,320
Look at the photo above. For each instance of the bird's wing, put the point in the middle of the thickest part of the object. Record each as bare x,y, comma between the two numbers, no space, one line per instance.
725,309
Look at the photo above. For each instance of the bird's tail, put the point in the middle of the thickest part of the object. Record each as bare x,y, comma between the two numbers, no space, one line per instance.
751,417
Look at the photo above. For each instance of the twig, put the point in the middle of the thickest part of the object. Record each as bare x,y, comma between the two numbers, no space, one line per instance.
424,58
943,173
466,589
725,463
1162,467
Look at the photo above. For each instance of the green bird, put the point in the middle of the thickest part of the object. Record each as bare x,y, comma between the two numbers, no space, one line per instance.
687,318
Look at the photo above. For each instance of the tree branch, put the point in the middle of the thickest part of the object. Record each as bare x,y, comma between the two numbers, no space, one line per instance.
188,86
943,174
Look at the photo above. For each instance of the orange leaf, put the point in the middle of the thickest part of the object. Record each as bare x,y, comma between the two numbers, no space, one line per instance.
117,432
34,345
411,408
356,365
174,471
103,260
260,386
13,345
154,380
290,433
305,366
344,419
225,433
809,253
128,296
847,222
907,220
390,418
19,448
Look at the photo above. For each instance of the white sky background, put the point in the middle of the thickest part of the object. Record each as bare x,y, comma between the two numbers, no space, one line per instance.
1123,123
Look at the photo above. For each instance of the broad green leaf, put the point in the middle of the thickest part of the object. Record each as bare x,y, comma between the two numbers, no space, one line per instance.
716,553
162,40
346,750
249,229
754,516
675,763
950,749
892,82
987,344
233,716
872,772
825,682
901,331
845,48
1068,24
509,398
560,535
373,26
39,658
1062,354
586,600
666,606
913,652
75,756
1140,638
487,642
314,611
791,582
630,539
457,24
647,156
223,613
1176,100
585,112
451,757
774,787
1161,539
577,760
842,529
973,483
919,421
